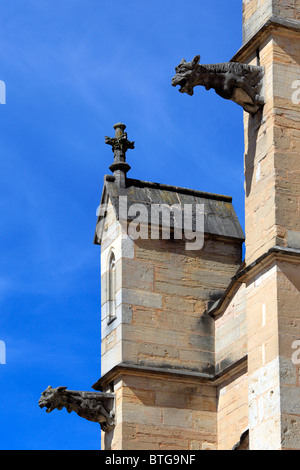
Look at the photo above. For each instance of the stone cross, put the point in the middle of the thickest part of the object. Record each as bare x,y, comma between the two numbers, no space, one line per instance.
120,144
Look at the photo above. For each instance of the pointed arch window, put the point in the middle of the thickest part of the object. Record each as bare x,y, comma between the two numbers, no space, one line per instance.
111,287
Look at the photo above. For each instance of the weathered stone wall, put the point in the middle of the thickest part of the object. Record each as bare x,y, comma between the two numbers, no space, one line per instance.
263,360
257,12
167,289
231,347
286,75
161,299
163,413
232,412
272,177
231,332
273,298
288,285
123,248
272,182
162,292
260,168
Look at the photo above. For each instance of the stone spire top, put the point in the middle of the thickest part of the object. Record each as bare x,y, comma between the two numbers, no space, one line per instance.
120,144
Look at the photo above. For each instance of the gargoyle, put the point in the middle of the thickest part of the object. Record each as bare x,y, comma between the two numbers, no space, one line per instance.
240,83
93,406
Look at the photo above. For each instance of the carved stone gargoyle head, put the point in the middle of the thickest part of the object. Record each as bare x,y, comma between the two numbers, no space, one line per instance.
185,75
51,399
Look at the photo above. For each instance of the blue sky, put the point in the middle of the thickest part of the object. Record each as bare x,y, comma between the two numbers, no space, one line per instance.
72,69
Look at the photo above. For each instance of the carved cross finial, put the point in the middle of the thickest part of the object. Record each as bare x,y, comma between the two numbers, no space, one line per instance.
120,144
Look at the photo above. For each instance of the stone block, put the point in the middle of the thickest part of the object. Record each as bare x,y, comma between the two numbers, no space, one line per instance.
290,431
141,298
290,399
153,350
137,275
177,418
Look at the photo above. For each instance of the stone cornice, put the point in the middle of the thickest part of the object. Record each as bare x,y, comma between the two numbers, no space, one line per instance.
274,22
248,272
234,370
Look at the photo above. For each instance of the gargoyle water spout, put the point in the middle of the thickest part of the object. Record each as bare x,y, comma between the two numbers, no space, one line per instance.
240,83
93,406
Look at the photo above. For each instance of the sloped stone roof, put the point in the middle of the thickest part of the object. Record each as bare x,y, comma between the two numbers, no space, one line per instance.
220,218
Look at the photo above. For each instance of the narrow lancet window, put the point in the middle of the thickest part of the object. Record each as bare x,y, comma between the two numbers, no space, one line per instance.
111,288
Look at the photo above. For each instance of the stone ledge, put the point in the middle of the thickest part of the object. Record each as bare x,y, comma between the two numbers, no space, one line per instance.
276,252
272,23
240,366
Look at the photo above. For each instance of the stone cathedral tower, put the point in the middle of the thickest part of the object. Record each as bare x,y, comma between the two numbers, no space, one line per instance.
197,346
200,349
